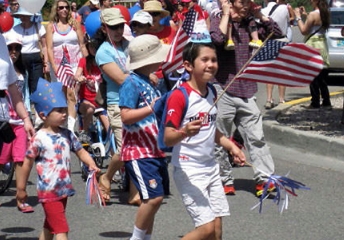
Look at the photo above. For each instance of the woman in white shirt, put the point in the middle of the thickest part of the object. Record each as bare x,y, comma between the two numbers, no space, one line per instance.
27,32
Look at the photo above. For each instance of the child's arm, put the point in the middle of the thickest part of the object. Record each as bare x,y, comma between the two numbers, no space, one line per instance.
79,77
173,136
238,155
133,115
85,157
22,178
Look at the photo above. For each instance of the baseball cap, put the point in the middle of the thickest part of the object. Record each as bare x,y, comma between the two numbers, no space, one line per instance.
112,16
94,2
11,38
144,50
142,17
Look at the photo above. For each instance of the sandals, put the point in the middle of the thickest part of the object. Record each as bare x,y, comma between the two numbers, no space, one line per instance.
25,208
104,191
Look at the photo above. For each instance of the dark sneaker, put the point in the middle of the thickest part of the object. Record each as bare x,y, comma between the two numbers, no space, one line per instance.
260,188
311,107
326,107
229,189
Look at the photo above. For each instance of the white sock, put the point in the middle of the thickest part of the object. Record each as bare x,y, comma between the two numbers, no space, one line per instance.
71,123
148,237
138,234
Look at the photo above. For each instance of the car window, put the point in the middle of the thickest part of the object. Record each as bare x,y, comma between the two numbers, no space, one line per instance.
337,17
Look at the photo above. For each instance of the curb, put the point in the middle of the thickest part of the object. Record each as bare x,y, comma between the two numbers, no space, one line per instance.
297,139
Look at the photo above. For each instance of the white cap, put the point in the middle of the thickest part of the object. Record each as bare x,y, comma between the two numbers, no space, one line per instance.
142,17
94,2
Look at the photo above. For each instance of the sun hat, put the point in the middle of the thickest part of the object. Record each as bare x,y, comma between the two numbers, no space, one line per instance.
94,2
112,16
11,38
144,50
22,12
155,6
48,96
142,17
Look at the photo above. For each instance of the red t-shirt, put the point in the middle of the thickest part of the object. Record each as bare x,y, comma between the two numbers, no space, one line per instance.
88,89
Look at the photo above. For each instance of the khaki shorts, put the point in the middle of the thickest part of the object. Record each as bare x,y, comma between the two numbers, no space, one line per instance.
114,114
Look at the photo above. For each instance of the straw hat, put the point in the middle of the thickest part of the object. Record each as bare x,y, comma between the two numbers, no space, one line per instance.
155,6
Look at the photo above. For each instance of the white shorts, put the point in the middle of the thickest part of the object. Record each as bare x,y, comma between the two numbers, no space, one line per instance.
202,193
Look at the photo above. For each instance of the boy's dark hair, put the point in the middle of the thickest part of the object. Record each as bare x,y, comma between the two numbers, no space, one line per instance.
191,50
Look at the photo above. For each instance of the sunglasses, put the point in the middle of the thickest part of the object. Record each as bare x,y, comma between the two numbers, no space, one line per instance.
116,27
63,7
14,4
137,24
154,14
16,47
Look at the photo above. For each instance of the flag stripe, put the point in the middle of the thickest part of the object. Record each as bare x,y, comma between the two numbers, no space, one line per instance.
174,58
293,64
65,73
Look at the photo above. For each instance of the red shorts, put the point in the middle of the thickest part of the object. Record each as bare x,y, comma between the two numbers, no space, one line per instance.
55,216
15,151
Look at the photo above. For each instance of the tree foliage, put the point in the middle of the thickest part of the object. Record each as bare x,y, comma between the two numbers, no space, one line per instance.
49,3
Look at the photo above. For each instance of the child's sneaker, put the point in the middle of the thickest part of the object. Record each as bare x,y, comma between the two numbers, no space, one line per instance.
229,45
255,43
260,188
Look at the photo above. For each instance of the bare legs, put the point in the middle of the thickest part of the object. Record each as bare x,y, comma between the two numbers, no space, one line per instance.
269,101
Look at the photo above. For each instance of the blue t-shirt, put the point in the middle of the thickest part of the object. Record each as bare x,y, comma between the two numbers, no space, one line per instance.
84,11
139,139
108,54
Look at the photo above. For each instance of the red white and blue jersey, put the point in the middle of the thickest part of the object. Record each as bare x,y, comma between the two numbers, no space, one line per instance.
139,140
197,151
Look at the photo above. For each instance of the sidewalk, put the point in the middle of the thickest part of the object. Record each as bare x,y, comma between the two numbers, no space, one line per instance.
297,139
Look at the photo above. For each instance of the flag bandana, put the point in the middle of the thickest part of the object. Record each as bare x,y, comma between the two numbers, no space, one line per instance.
280,63
65,73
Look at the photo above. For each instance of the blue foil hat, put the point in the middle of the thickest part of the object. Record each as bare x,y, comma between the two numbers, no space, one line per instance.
48,96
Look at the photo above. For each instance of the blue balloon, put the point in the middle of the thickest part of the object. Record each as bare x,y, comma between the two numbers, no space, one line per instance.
92,23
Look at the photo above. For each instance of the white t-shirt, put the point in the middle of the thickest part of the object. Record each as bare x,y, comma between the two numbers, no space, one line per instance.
29,38
7,76
280,16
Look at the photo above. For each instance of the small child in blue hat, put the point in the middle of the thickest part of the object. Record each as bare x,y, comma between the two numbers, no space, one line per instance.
50,148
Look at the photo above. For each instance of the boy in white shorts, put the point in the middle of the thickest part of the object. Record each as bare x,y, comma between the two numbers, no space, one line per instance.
196,173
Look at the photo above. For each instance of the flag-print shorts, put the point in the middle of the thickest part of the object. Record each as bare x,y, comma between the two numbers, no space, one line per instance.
150,176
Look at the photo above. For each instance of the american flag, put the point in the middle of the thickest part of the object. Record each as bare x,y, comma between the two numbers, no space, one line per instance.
64,72
280,63
174,58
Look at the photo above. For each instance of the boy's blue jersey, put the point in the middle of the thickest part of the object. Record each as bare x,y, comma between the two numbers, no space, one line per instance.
139,139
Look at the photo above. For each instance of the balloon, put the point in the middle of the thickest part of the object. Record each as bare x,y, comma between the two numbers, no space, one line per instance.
32,6
125,12
92,23
6,21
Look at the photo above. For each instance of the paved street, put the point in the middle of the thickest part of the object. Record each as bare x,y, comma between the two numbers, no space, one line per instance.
317,214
